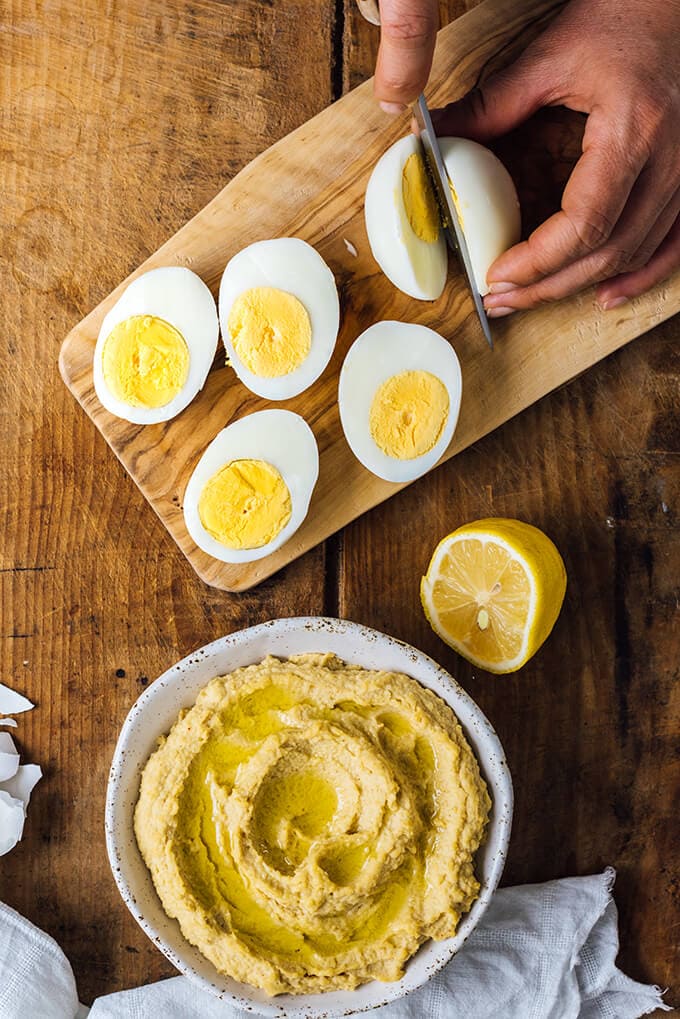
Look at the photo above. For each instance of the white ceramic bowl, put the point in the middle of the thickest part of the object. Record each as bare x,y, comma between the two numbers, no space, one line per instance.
154,714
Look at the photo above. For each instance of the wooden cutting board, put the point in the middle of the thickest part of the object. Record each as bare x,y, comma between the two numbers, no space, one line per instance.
311,185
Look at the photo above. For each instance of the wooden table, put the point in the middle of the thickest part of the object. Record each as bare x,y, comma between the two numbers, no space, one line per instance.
117,123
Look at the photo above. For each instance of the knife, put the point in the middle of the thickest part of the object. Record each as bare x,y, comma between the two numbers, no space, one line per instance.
449,214
439,178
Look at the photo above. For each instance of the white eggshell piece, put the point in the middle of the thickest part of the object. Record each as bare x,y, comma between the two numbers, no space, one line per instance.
12,722
386,349
7,744
487,203
13,703
9,758
278,437
12,817
180,297
416,267
290,264
23,783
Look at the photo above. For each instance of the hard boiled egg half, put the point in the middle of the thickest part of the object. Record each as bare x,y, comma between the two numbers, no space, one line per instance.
250,490
399,398
402,222
279,314
403,219
155,346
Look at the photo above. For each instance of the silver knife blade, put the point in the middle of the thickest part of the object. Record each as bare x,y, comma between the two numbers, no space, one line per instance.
452,227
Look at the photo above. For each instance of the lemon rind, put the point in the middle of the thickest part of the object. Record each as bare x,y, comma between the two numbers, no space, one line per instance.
465,533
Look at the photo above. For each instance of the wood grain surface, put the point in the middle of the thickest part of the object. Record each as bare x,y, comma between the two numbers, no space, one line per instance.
120,121
311,184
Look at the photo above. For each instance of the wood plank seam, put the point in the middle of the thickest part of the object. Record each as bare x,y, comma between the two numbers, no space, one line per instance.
338,50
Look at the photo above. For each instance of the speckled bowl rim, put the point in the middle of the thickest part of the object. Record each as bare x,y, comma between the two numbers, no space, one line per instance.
179,687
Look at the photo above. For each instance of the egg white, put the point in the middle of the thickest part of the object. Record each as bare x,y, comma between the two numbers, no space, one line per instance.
278,437
413,265
180,297
290,264
488,203
383,350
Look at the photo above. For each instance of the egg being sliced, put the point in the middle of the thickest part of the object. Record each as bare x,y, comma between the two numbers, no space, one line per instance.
402,222
279,314
399,398
486,201
155,346
250,490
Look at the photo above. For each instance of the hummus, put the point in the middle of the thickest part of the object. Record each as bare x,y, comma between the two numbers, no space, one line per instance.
310,823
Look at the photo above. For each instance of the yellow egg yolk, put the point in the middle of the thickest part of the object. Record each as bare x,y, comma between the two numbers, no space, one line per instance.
245,504
419,201
145,361
456,203
408,414
271,331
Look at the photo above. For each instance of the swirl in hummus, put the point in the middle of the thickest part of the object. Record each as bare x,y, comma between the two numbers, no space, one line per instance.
310,823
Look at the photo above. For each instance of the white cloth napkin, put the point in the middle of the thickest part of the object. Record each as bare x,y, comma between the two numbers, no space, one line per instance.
541,952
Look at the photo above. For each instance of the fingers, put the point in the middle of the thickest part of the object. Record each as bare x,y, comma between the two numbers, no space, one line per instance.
602,266
631,245
407,37
661,265
593,200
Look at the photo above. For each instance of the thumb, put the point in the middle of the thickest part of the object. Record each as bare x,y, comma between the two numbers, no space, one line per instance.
407,36
501,103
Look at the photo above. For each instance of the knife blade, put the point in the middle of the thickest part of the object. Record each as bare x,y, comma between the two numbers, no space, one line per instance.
442,189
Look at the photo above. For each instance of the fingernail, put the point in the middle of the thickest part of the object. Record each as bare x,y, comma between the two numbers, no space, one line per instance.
499,312
615,302
392,107
501,288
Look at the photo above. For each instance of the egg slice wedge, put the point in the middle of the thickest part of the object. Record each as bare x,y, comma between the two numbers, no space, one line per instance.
279,315
402,222
399,397
486,201
156,346
251,489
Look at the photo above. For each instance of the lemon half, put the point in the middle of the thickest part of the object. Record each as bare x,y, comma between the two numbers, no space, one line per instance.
493,591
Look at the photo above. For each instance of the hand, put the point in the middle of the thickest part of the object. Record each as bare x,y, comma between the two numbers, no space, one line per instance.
619,223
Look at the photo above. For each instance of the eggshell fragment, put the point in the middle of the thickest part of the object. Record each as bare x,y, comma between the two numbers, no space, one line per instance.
7,744
12,703
23,783
9,758
12,722
12,816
